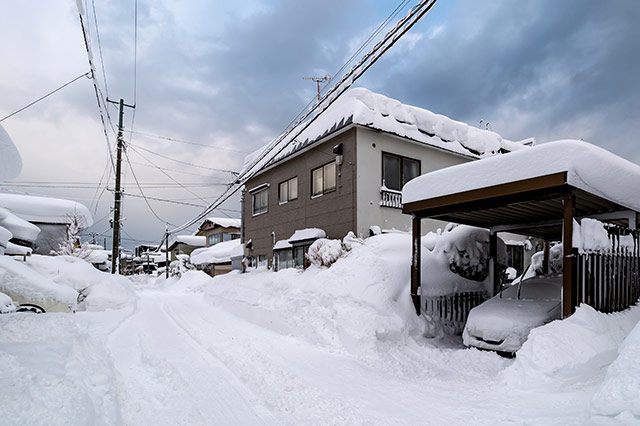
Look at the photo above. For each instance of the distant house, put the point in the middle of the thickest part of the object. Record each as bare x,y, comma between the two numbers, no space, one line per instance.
185,244
219,229
51,215
345,173
216,259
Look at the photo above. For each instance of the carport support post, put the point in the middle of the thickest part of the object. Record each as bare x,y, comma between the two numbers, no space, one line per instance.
415,261
493,261
568,206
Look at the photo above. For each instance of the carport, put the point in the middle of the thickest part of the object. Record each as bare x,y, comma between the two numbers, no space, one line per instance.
540,192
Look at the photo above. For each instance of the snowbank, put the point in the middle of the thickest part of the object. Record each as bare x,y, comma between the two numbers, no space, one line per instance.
10,161
104,290
618,399
588,167
5,236
18,279
571,350
359,302
219,253
46,210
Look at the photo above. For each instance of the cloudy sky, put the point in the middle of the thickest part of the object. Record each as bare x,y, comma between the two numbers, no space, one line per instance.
231,78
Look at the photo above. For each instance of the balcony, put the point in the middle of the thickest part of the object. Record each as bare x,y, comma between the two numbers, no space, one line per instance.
390,198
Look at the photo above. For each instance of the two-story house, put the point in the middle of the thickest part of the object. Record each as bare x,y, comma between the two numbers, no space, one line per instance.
345,173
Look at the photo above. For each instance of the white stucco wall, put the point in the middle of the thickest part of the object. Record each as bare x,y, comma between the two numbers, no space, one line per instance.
369,149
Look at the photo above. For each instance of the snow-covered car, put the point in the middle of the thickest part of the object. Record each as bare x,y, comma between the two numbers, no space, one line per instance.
503,322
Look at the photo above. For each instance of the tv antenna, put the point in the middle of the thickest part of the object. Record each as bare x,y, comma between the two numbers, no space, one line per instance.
318,80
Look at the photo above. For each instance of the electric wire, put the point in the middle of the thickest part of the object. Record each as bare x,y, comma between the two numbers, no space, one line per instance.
133,173
181,162
392,36
95,83
95,21
187,142
87,74
173,170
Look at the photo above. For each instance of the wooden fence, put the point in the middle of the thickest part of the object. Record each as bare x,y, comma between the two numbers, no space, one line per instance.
610,281
452,310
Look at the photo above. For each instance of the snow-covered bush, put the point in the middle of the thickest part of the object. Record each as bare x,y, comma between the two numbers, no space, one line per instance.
71,246
324,252
468,251
350,240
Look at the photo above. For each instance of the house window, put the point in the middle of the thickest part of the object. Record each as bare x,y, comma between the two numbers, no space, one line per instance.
398,170
222,236
288,190
260,201
323,179
214,239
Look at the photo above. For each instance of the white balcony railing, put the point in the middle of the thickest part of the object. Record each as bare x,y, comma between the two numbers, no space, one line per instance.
390,198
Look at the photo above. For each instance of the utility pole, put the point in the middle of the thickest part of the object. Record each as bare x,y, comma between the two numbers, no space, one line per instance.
318,80
117,201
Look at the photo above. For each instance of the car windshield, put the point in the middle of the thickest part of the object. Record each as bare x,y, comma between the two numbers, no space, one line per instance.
536,288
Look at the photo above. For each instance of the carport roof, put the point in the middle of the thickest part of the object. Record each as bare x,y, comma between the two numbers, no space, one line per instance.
523,191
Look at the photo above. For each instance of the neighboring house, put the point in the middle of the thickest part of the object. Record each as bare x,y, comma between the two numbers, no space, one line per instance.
51,215
219,229
346,170
215,260
185,244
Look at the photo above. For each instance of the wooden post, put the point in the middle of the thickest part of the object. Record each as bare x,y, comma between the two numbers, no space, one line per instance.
545,259
568,202
416,262
493,261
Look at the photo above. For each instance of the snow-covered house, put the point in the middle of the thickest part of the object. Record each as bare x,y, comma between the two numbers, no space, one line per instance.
185,244
219,229
346,170
52,216
215,259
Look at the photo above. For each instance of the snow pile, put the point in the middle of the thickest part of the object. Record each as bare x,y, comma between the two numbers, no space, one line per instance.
365,108
10,161
19,228
17,250
46,210
103,290
18,279
216,254
618,399
6,304
456,260
5,236
360,301
587,166
571,350
324,252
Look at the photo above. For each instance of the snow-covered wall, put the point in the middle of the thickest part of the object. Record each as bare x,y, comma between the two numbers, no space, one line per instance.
369,149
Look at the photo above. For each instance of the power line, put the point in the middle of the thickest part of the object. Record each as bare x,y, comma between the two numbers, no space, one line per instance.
153,166
142,192
104,74
392,36
87,74
182,162
96,89
189,143
164,200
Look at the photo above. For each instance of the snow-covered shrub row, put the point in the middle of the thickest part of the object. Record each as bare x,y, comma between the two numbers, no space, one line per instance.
324,252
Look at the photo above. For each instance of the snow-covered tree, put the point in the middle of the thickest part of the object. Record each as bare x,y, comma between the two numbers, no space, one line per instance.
71,245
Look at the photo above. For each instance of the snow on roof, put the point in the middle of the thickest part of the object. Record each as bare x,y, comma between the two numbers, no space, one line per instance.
282,244
10,161
20,228
225,222
192,240
5,236
237,252
307,234
365,108
588,167
219,253
45,209
17,250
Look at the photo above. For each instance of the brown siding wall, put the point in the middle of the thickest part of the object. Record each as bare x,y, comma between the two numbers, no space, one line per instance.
333,212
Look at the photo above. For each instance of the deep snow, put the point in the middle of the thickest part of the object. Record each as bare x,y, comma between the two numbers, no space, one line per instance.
328,346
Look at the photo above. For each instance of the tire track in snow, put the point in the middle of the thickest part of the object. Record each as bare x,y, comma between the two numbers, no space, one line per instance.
165,377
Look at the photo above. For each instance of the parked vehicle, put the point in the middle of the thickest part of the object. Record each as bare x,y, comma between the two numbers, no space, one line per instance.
503,322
